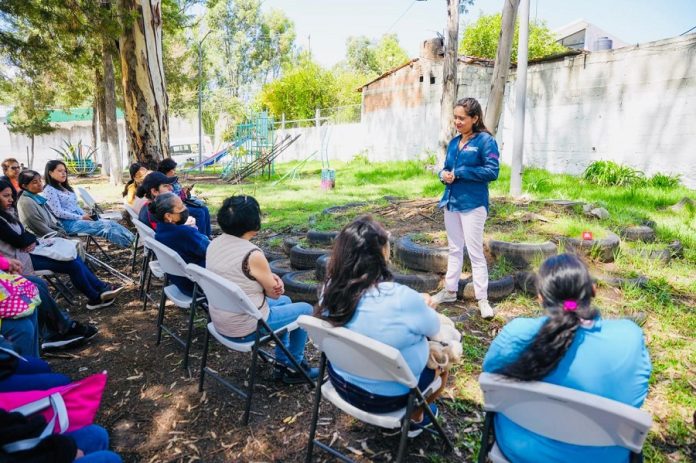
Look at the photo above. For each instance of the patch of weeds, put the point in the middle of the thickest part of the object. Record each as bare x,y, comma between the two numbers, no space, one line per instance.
502,268
609,173
660,180
573,227
275,242
438,238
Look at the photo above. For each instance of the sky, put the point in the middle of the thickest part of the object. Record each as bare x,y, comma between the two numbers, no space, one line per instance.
324,25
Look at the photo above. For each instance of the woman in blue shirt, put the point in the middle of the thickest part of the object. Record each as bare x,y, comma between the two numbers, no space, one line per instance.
360,295
572,347
171,215
471,162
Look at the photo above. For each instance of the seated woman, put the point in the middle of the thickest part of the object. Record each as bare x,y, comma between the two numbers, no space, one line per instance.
232,256
25,372
573,347
359,295
17,243
56,329
196,207
32,210
138,172
155,184
10,171
62,201
171,216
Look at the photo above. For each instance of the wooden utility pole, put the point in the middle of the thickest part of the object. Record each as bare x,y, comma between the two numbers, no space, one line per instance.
449,78
501,69
520,102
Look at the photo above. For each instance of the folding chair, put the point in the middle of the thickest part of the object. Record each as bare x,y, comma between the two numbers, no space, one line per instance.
365,357
558,412
137,243
150,266
57,285
89,201
225,295
172,264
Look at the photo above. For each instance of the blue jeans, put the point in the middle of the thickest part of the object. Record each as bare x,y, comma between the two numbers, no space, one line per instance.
32,374
82,277
109,229
283,311
93,440
52,320
23,333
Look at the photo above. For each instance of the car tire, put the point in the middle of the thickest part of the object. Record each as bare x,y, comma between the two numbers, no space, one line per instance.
521,255
305,258
497,289
423,258
298,290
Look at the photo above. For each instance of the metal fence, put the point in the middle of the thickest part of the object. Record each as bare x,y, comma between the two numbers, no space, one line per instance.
349,114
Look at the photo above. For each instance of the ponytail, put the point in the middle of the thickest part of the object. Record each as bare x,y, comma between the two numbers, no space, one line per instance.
565,287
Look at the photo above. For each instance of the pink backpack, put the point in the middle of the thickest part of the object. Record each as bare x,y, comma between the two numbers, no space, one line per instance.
18,296
66,408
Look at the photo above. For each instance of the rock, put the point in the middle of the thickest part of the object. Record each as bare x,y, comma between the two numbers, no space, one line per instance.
600,213
682,204
586,208
638,233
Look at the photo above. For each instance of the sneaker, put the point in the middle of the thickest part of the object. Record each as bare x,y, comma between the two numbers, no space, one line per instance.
444,296
110,292
485,308
415,429
288,375
92,305
61,341
86,331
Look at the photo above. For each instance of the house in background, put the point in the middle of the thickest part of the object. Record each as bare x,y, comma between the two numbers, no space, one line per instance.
583,35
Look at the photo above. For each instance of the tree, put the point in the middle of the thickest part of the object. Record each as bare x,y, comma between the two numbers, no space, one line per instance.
142,72
302,88
501,68
31,113
481,39
449,78
371,58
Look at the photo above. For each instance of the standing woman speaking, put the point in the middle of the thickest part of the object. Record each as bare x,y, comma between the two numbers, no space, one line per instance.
471,162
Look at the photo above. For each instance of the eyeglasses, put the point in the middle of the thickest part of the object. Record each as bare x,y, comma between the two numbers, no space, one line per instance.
14,168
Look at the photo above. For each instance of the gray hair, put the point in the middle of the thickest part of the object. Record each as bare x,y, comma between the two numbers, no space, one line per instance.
163,204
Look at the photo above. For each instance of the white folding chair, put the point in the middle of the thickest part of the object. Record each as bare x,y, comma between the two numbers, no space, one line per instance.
365,357
172,264
137,242
558,412
89,201
149,267
226,295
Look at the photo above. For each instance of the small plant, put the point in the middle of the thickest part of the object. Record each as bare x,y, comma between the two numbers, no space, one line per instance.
609,173
501,268
76,153
660,180
361,158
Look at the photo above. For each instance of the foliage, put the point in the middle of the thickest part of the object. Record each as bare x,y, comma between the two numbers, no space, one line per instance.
607,173
481,39
76,152
660,180
31,112
371,58
303,88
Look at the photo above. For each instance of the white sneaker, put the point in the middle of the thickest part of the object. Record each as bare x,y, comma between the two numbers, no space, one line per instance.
444,296
485,308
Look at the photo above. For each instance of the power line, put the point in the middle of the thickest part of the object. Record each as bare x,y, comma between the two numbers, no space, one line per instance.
684,33
400,17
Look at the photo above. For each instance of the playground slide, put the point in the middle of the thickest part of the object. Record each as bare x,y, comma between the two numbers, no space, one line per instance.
219,155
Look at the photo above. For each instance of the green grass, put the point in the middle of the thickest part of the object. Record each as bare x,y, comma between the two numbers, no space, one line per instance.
669,298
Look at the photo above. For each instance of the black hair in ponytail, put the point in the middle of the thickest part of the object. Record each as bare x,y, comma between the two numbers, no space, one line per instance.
565,287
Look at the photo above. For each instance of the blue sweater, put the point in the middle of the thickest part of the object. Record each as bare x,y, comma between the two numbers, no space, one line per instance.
189,243
474,166
608,359
398,316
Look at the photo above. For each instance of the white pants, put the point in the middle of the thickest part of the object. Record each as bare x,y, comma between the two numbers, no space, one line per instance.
466,229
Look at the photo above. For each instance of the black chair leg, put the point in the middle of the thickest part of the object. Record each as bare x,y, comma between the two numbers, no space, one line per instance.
160,314
204,360
189,336
287,353
252,378
404,428
315,410
135,252
486,437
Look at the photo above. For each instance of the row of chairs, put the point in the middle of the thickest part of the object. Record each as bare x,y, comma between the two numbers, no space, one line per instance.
552,411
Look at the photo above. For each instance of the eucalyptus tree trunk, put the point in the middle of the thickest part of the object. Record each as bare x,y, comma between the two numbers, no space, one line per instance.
145,98
101,119
449,79
110,122
501,68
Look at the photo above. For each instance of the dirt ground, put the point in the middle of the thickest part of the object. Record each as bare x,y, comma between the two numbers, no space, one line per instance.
154,412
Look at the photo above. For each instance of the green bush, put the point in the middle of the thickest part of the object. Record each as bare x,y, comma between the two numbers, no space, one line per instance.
660,180
609,173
